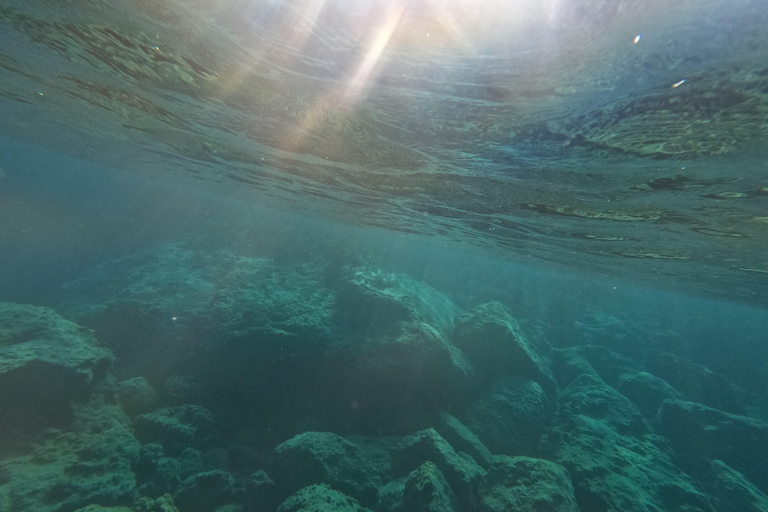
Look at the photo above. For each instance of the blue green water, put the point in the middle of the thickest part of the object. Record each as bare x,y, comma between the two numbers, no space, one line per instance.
400,257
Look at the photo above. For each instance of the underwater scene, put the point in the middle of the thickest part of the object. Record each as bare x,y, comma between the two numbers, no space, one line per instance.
383,256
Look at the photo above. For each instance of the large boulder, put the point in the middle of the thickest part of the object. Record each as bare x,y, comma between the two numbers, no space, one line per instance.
176,428
165,309
88,463
424,490
645,390
320,498
700,434
615,460
524,484
372,301
511,417
47,364
205,491
697,383
460,470
462,439
394,381
734,492
324,458
493,341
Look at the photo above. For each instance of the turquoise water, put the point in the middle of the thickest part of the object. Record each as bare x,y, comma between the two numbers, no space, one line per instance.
400,257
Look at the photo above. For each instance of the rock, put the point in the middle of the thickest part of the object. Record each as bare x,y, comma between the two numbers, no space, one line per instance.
511,418
176,427
463,439
260,493
320,498
136,396
460,470
700,434
162,504
324,458
493,341
697,383
99,508
372,301
158,473
646,391
254,303
89,463
47,364
523,484
734,492
205,491
424,490
395,378
616,462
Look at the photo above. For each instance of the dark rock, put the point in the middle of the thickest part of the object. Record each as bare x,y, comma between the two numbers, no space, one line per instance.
162,504
511,418
424,489
158,473
175,428
700,434
523,484
614,459
463,439
460,470
373,301
204,492
136,396
734,492
99,508
260,493
89,463
407,374
493,341
320,498
46,365
646,391
697,383
324,458
206,296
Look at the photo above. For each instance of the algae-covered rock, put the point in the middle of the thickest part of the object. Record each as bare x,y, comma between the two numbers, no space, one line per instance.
460,470
700,434
260,492
734,492
511,417
46,364
462,439
615,460
323,458
136,396
524,484
645,390
406,373
158,473
205,295
697,383
162,504
99,508
320,498
371,300
424,489
176,428
491,338
89,463
205,491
